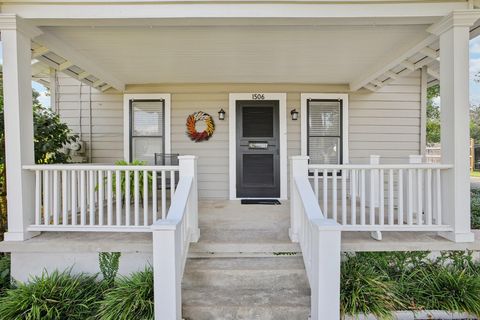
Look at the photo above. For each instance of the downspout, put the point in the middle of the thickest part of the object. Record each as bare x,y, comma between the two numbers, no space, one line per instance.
90,139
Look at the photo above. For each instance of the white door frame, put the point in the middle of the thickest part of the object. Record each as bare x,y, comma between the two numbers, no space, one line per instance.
282,102
127,121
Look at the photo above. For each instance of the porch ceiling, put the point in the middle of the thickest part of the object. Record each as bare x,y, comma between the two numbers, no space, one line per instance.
248,54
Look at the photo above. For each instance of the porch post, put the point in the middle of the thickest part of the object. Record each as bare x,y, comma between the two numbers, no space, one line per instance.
454,33
188,168
17,88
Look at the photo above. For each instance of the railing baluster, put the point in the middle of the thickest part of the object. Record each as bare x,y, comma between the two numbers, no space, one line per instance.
428,200
344,197
172,184
390,197
381,196
362,197
410,198
154,196
372,197
439,197
136,196
145,197
316,183
353,199
46,197
101,197
118,197
334,194
325,193
56,209
64,197
419,197
109,198
83,198
400,212
74,197
164,191
38,197
128,200
91,187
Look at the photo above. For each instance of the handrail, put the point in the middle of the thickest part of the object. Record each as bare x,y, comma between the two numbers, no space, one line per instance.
379,166
310,203
86,166
177,208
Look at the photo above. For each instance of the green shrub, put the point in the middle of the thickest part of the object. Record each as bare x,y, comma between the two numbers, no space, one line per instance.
109,262
56,295
475,208
364,290
4,273
130,298
450,289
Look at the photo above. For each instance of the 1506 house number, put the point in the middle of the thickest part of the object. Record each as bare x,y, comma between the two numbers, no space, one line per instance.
258,96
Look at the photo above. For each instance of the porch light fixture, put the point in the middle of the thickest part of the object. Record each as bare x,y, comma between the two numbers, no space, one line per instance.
221,114
294,114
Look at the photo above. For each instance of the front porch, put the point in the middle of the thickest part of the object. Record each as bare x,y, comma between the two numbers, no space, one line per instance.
359,88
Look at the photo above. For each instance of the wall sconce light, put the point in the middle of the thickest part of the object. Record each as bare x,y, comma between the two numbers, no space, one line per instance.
294,114
221,114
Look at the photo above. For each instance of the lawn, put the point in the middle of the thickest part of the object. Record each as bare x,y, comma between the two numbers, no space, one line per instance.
475,174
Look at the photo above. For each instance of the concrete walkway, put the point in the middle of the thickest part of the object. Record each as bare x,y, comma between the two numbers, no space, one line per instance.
475,182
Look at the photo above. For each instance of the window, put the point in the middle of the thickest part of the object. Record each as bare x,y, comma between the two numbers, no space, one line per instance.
324,131
147,129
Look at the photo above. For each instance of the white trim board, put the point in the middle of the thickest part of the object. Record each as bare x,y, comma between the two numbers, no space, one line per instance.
126,118
303,120
282,102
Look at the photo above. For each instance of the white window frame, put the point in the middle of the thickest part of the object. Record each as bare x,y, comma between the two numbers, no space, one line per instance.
282,103
304,125
127,121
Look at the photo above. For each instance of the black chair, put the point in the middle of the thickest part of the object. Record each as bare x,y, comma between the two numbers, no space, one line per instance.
167,159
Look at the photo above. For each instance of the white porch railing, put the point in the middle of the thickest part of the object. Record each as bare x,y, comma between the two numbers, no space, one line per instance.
84,197
374,197
319,240
171,239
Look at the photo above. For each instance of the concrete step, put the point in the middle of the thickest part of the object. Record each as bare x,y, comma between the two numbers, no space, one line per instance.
272,273
219,241
245,304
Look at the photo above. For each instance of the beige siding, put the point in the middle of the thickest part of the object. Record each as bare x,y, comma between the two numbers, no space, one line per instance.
386,123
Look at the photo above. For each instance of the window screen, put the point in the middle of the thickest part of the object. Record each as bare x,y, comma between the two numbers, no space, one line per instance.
325,131
146,129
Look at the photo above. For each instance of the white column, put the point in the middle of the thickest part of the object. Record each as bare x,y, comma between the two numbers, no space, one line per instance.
454,33
298,167
373,175
17,88
188,167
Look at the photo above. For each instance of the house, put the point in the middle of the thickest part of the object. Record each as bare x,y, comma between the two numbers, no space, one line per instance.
324,106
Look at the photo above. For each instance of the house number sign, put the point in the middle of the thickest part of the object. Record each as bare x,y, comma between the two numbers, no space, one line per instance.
258,96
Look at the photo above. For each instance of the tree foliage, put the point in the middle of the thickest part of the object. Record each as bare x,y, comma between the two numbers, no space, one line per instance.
433,115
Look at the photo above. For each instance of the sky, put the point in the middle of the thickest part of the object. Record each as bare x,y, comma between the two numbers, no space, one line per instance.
474,69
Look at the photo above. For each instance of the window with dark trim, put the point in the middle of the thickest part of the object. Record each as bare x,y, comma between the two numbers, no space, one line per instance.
324,131
147,129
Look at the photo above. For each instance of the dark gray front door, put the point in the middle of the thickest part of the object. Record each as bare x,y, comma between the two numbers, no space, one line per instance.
258,149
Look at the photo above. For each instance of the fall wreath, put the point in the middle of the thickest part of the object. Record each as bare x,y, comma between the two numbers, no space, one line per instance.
192,131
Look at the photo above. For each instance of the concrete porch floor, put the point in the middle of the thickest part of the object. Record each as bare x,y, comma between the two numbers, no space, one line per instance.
227,227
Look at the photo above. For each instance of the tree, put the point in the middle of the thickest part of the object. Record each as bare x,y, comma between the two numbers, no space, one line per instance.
433,115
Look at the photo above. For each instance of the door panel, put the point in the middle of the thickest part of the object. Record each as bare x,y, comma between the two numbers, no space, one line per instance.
258,149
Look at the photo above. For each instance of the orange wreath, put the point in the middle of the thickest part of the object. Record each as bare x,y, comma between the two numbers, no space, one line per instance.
192,131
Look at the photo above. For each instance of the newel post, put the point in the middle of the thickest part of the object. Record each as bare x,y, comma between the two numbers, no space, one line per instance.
188,167
298,167
326,263
454,33
17,74
167,281
373,184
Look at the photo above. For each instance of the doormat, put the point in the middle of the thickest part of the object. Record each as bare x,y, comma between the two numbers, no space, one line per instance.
260,201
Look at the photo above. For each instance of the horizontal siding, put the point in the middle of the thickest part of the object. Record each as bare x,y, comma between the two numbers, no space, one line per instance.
386,123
